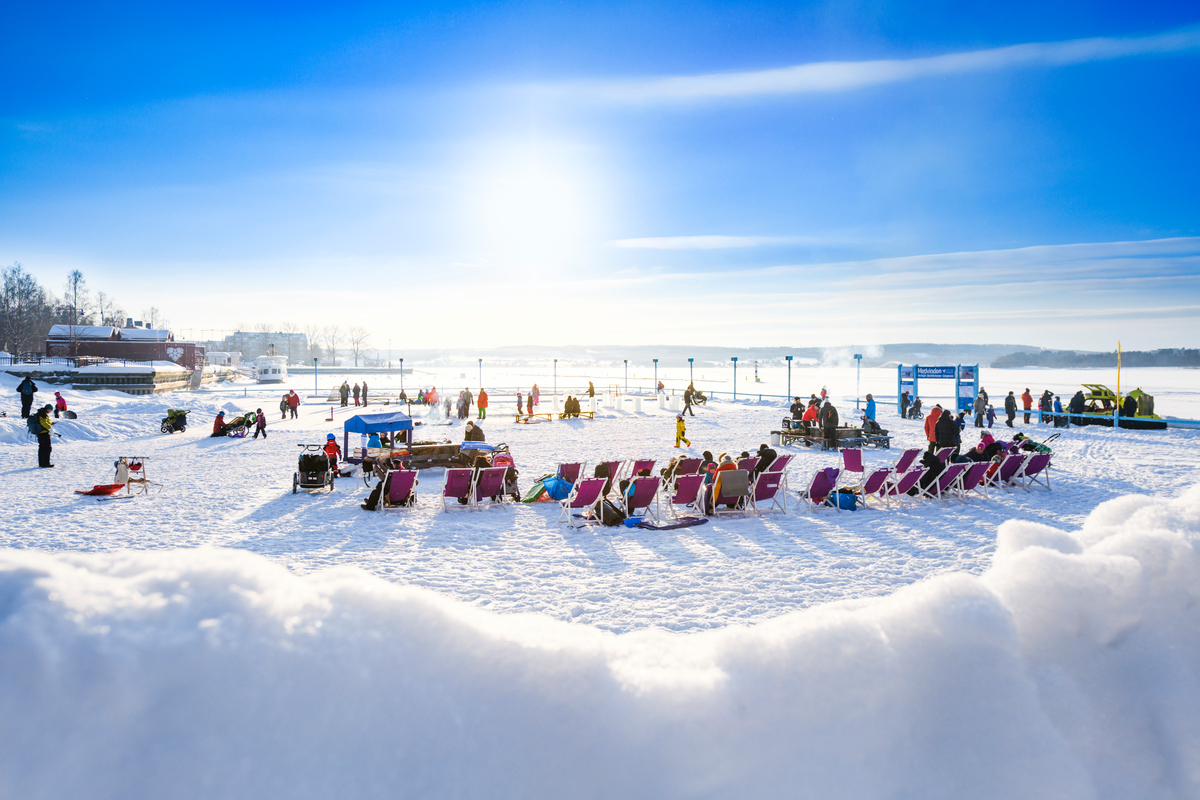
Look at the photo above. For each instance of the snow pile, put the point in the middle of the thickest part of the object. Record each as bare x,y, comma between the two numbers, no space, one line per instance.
1071,668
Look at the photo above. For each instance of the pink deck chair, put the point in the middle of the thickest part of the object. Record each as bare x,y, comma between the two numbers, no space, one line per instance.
571,471
639,464
731,487
1009,466
943,454
852,460
614,469
899,489
779,464
458,485
768,493
489,484
906,460
688,466
946,483
643,495
585,495
687,488
748,463
876,485
822,483
400,483
972,480
1036,469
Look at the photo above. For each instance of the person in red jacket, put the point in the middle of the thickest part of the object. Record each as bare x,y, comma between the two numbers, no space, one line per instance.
219,424
931,422
293,402
333,451
481,402
60,404
1027,403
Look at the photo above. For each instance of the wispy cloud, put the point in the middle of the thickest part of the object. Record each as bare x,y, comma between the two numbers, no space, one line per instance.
839,76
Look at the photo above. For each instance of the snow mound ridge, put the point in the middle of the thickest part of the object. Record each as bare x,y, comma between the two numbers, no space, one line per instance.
1070,669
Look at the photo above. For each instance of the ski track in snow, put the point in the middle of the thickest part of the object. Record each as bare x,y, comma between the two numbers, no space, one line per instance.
237,493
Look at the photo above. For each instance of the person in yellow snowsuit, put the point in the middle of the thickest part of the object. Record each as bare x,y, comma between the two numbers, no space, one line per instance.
680,430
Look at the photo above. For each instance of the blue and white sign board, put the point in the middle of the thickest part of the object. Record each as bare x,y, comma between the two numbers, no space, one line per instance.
966,382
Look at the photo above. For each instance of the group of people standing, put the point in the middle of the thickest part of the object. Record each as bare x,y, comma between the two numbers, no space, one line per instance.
289,404
359,392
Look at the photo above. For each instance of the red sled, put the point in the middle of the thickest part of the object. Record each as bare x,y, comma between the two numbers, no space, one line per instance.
102,489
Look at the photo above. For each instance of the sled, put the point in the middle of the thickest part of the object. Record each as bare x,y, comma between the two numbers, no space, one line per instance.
682,522
101,490
70,415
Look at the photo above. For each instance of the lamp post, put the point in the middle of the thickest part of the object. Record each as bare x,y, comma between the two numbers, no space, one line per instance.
316,391
734,360
556,380
481,374
402,374
691,374
857,380
627,376
656,376
789,360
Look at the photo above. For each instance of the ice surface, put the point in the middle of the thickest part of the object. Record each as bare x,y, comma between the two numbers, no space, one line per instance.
1069,669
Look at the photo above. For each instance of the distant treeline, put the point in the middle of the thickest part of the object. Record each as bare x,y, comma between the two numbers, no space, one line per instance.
1176,357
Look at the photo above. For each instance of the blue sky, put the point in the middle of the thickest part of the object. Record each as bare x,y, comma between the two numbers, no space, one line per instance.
749,174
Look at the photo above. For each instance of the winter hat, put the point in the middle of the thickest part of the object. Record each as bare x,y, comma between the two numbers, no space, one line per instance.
329,437
726,458
56,394
679,416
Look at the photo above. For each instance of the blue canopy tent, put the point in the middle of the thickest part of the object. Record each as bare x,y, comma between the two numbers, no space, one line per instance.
392,422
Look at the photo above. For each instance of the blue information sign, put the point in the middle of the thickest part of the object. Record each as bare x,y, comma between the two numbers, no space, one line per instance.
932,373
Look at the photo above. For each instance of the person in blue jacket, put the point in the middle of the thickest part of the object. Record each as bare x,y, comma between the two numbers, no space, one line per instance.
870,406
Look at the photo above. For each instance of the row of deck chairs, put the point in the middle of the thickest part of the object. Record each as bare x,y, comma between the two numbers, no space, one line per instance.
740,491
479,489
958,480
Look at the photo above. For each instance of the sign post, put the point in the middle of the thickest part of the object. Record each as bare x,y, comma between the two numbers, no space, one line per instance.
857,381
656,376
734,359
789,360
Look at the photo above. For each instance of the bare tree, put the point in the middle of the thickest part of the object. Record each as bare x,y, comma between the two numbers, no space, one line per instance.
333,337
358,338
76,299
265,327
108,312
151,318
313,332
288,327
26,312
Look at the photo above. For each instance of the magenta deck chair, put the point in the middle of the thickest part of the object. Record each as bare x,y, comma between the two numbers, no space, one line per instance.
687,466
904,483
943,453
852,460
779,464
687,488
820,486
906,460
766,494
1008,470
585,495
945,482
1035,470
732,489
400,484
876,484
644,496
614,469
640,464
748,464
457,485
972,479
571,471
490,483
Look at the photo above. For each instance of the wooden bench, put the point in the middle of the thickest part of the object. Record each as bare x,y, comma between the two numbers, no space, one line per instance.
588,414
527,419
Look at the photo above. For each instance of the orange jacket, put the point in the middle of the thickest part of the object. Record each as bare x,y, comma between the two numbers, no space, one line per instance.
930,422
481,400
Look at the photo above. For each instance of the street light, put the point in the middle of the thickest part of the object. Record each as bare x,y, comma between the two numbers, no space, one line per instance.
627,376
789,360
316,391
481,374
734,360
402,374
656,376
857,380
556,380
691,375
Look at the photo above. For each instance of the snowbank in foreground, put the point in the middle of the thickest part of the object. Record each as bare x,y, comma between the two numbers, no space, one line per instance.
1071,668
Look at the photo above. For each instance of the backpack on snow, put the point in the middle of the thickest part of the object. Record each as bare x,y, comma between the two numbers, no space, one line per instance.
610,515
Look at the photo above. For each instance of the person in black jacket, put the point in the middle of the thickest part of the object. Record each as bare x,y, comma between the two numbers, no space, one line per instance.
904,404
797,409
766,456
946,434
1129,407
828,419
1010,409
27,389
1045,405
472,433
1076,408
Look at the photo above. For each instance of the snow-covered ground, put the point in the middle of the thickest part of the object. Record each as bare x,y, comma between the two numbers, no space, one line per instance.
1030,645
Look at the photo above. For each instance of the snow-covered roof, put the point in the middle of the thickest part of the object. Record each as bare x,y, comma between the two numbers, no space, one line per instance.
145,335
81,332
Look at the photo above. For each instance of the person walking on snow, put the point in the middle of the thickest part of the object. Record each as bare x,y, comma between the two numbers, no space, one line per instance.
680,430
529,403
60,404
27,389
980,409
1027,403
332,451
1010,409
357,392
260,425
536,395
283,407
39,425
520,405
930,423
991,416
293,402
364,393
689,394
481,403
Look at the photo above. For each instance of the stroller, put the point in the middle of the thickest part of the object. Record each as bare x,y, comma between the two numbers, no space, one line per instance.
313,470
175,420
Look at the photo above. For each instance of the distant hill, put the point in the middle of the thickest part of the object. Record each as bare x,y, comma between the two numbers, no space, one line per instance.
1178,357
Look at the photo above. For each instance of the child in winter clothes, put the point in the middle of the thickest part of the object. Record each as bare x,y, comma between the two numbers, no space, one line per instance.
60,404
260,425
991,416
332,451
680,430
